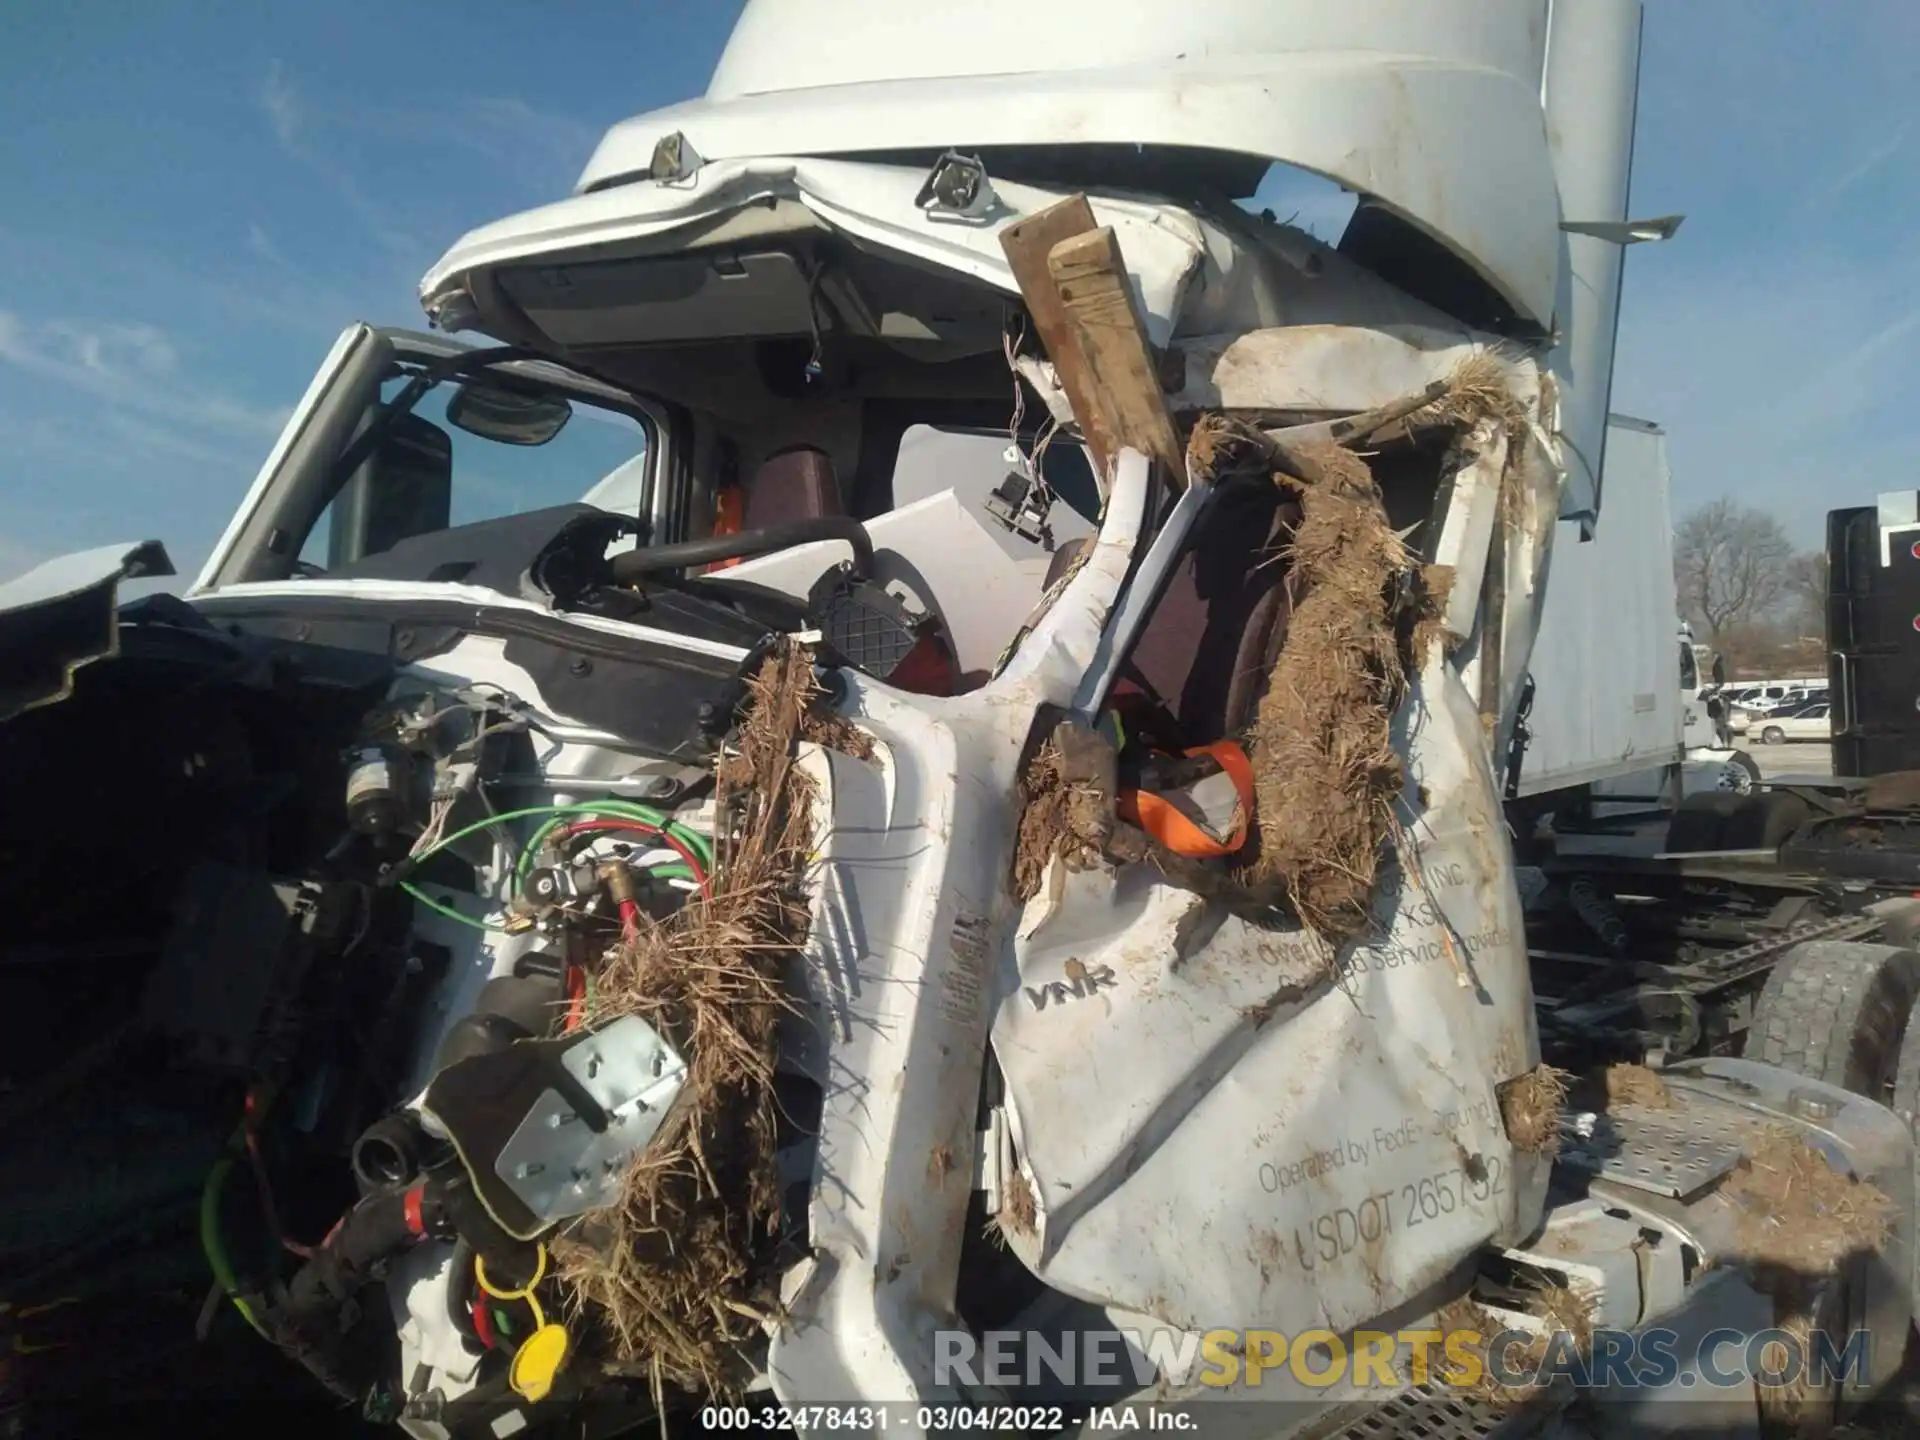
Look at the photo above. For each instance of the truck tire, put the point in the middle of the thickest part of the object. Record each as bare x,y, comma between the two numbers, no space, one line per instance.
1899,923
1905,1103
1763,821
1773,735
1701,820
1836,1010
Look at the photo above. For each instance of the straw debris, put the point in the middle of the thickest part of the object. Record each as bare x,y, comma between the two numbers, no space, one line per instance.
1326,775
1800,1221
1019,1213
677,1271
1066,806
1559,1310
1636,1085
1530,1109
1476,390
1430,608
835,732
1797,1213
1325,772
1363,618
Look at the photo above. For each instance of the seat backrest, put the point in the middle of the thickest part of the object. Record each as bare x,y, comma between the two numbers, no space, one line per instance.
1203,657
796,483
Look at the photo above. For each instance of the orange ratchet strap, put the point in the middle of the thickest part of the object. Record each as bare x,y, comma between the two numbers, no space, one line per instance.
1161,819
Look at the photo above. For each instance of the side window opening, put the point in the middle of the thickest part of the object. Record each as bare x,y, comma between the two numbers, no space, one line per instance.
435,475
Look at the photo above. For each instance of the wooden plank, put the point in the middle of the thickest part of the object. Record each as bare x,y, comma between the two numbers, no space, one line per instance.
1092,280
1027,243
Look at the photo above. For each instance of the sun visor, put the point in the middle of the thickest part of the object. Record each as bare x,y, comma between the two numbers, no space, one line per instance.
721,255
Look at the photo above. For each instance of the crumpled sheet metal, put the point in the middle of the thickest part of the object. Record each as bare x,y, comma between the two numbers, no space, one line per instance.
1219,1134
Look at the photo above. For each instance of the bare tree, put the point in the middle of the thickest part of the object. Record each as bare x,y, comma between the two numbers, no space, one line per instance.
1730,565
1807,589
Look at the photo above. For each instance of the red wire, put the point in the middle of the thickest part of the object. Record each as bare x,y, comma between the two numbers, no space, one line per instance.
260,1181
576,997
629,911
588,827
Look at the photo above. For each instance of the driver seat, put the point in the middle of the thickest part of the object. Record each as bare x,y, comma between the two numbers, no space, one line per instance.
1200,664
796,483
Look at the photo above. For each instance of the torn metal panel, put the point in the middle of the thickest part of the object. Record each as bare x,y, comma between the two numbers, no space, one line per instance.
1347,1128
62,615
910,919
1529,511
1331,367
1466,532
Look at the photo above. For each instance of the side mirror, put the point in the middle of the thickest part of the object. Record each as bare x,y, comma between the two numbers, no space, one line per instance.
405,488
1719,669
512,417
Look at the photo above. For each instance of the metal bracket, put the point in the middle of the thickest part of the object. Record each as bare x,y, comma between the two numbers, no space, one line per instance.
674,159
957,186
1625,232
558,1161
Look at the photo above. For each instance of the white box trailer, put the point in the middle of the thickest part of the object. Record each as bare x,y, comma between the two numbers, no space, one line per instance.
1607,685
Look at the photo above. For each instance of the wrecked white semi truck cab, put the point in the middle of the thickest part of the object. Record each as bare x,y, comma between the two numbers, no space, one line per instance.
906,752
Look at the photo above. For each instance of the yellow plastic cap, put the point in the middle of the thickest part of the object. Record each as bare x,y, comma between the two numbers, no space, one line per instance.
537,1361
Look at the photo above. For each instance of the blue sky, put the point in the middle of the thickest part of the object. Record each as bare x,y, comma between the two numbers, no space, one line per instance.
199,196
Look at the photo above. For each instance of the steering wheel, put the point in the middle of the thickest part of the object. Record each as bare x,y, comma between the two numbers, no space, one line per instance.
649,560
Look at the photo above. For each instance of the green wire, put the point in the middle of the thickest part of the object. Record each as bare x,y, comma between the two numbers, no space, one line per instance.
613,810
447,910
621,809
557,816
215,1247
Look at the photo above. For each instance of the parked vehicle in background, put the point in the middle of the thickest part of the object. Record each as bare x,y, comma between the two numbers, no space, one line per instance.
1802,722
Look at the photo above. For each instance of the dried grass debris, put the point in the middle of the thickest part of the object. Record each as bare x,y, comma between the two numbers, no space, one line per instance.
1430,611
1530,1107
1558,1311
1800,1223
1019,1213
1325,772
835,732
1478,389
1635,1085
1798,1215
1066,806
676,1275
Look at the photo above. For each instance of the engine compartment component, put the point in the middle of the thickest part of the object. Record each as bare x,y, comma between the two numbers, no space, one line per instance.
348,931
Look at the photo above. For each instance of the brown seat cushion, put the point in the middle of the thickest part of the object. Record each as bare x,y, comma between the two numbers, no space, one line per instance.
793,484
1200,666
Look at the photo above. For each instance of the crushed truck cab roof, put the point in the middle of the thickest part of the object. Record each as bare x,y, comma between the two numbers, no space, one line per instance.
1434,110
